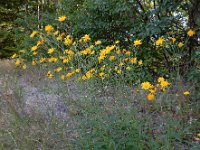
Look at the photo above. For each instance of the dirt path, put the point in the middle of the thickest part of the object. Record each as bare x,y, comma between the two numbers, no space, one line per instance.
16,85
38,101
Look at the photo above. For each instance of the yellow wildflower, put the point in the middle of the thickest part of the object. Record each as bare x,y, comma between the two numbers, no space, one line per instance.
190,33
150,97
61,57
41,35
42,60
111,58
164,84
101,74
77,70
180,44
58,69
65,61
48,28
124,50
62,34
62,77
128,68
51,50
160,41
153,89
33,34
117,42
49,74
53,59
98,42
69,74
101,57
56,33
103,68
133,60
172,39
87,51
68,40
59,38
34,48
83,77
18,62
24,67
118,51
35,53
121,64
69,52
39,43
85,38
104,52
140,62
137,42
62,18
14,56
91,46
186,93
161,79
89,74
146,85
109,48
119,71
128,53
42,41
34,62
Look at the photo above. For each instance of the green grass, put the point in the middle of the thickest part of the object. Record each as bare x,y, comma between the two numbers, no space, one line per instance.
97,116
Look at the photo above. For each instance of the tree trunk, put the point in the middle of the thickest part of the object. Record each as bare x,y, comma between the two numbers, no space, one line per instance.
194,14
194,22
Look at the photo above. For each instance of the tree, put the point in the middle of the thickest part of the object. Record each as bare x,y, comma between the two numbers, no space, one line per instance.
8,10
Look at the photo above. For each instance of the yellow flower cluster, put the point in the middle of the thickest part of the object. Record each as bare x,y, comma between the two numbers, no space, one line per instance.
84,59
85,38
162,85
88,74
68,40
122,60
105,52
87,51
